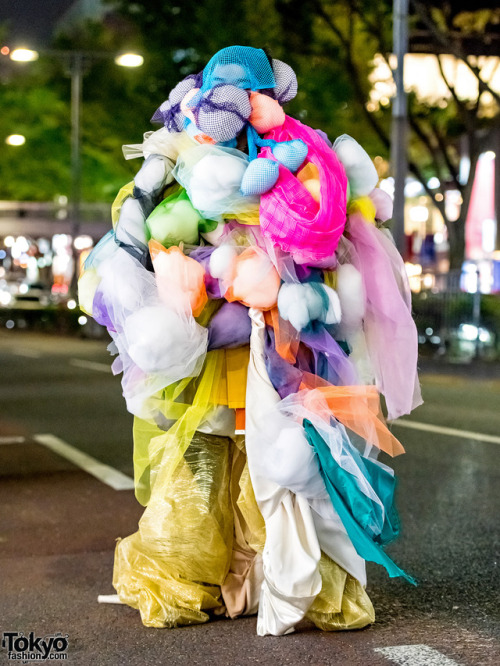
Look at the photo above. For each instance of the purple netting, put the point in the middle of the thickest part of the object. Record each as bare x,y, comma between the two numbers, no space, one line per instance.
285,378
169,113
100,311
286,82
222,112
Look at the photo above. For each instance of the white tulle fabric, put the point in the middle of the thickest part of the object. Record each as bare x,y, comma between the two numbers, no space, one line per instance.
300,519
157,344
212,177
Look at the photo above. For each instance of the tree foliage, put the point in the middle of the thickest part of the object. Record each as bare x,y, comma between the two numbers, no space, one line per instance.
330,43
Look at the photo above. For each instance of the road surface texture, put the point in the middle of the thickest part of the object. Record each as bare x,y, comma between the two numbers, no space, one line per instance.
65,496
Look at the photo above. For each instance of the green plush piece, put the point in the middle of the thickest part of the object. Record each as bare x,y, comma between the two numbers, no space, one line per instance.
175,220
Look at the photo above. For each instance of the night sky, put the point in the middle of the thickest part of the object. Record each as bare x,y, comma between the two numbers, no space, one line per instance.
30,22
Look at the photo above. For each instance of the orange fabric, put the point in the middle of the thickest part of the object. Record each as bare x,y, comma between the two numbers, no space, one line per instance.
358,408
266,113
254,280
180,279
240,418
286,338
309,172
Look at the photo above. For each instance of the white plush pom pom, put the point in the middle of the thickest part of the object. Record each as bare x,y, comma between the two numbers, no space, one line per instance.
351,294
360,170
221,260
334,312
300,304
292,305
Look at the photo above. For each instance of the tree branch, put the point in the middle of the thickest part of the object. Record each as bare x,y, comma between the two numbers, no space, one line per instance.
451,47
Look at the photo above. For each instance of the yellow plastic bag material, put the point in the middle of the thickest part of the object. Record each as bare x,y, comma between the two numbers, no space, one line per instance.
342,603
172,568
125,192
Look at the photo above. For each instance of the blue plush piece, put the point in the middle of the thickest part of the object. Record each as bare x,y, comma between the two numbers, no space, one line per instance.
260,176
291,154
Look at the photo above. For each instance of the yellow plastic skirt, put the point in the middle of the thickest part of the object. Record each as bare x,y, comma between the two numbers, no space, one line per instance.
201,532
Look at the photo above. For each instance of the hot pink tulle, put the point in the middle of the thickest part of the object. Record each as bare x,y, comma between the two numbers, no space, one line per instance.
289,216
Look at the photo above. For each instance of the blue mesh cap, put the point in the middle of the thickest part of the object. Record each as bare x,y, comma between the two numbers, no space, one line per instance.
239,66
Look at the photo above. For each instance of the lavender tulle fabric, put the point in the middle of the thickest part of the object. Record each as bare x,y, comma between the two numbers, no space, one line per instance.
387,318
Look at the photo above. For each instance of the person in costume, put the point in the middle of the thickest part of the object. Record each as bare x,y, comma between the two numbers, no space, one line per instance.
258,308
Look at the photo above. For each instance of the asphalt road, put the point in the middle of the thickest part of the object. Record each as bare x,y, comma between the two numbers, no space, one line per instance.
58,525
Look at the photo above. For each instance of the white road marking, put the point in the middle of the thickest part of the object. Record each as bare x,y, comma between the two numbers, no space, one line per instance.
442,430
90,365
108,599
12,440
416,655
28,353
108,475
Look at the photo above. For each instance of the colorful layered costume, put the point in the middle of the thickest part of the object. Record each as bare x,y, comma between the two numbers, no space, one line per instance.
258,309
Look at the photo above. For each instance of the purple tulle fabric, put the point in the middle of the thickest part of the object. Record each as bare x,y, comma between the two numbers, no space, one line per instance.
330,360
230,327
319,354
390,332
202,256
285,378
100,311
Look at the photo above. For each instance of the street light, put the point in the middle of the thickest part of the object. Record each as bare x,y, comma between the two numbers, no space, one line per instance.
76,61
15,140
24,55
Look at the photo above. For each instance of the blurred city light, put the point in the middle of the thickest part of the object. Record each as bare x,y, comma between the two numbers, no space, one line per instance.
24,55
422,76
15,140
129,60
83,242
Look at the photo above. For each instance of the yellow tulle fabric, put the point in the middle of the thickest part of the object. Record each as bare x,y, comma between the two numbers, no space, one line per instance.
249,217
364,206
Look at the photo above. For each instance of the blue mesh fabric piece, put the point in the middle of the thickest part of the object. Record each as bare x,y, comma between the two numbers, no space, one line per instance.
240,66
260,176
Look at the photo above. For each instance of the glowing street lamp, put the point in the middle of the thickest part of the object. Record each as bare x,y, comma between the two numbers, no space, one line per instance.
15,140
129,60
23,55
